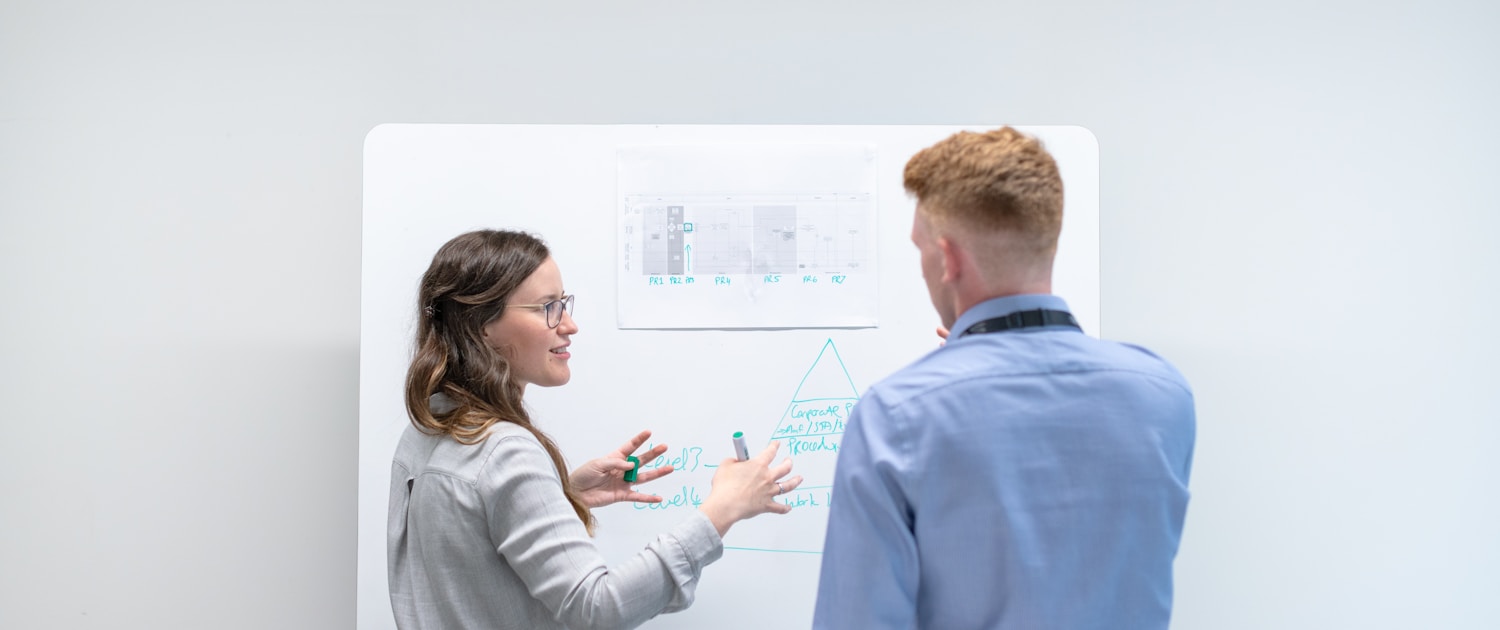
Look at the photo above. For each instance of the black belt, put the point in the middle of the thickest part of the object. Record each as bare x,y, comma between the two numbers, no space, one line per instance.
1025,319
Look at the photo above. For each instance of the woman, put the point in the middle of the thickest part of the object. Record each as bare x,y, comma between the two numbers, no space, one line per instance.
487,528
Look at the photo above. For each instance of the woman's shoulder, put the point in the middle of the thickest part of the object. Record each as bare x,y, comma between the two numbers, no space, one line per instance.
503,430
495,434
504,443
510,442
509,451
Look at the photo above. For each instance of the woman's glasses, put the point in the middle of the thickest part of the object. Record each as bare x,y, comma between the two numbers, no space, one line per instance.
554,310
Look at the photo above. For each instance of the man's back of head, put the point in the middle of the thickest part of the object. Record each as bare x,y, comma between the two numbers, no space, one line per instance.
989,212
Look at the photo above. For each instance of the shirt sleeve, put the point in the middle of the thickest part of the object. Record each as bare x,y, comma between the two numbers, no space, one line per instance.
870,570
535,529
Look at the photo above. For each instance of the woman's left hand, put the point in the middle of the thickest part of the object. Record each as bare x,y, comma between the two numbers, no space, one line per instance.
601,481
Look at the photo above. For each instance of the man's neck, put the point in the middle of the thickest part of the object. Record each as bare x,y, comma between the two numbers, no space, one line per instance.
967,297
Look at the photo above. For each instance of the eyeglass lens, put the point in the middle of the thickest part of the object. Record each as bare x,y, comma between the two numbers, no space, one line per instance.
555,310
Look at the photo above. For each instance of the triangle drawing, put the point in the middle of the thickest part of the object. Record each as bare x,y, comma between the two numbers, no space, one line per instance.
814,421
810,431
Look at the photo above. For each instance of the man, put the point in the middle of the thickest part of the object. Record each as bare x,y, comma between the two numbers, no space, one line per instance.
1024,475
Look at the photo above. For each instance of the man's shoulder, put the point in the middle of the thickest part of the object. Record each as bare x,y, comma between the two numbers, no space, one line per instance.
1106,355
984,360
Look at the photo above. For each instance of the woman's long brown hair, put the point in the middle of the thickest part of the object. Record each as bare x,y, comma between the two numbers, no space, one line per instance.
465,288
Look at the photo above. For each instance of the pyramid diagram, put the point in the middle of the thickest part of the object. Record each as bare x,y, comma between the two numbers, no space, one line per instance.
810,432
813,425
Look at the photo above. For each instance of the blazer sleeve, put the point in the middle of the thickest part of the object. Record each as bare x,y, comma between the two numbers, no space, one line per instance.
536,531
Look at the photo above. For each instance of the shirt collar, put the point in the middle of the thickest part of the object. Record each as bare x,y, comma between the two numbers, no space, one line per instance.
1002,306
441,403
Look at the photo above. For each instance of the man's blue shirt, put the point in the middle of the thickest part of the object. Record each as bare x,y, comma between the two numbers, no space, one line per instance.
1023,479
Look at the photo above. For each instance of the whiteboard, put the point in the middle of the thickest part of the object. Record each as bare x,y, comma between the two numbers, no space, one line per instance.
424,184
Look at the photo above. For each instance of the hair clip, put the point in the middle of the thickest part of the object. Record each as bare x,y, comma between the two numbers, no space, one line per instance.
429,310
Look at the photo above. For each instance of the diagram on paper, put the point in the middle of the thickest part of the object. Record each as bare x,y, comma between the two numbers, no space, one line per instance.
747,237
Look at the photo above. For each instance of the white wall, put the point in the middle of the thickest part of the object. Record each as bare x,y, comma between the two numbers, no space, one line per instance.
1297,208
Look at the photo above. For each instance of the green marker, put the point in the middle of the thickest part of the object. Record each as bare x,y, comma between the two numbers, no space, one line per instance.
740,452
630,474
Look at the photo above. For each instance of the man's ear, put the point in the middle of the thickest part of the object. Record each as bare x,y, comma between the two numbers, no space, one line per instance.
953,259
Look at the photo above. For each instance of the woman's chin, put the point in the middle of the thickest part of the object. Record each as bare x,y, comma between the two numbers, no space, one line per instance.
557,380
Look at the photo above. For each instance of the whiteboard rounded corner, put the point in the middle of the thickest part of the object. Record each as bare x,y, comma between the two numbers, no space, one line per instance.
377,135
1085,132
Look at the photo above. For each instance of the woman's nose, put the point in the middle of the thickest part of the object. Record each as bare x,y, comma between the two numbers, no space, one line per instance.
567,326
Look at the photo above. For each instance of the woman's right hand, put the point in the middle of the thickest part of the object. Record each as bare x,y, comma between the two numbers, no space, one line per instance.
742,489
